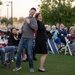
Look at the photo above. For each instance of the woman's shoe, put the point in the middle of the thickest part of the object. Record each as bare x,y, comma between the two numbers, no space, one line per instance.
42,70
35,58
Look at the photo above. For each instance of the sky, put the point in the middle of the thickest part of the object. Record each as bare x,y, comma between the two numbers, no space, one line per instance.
20,7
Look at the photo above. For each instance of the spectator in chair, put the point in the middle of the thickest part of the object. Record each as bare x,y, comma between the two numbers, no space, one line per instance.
62,33
13,37
4,50
55,37
71,37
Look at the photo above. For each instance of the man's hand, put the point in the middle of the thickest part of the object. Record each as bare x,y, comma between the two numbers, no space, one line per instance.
28,21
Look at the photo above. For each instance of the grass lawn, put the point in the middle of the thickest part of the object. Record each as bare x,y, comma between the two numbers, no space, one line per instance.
55,64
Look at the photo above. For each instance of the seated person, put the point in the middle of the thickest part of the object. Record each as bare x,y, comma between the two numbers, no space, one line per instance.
13,37
55,36
71,37
49,36
48,33
4,50
62,33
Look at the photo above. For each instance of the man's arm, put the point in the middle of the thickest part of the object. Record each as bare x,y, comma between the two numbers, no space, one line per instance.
33,24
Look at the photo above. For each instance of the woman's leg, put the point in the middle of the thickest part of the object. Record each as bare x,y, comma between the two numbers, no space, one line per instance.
42,60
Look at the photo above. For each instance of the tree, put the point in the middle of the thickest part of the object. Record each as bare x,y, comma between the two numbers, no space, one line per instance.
21,19
15,19
57,11
0,2
5,21
0,9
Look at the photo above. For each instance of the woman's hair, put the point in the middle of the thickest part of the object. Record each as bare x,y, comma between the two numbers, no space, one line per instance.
12,29
37,14
72,27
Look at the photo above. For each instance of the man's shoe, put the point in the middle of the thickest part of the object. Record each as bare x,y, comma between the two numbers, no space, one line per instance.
31,70
42,70
17,69
6,64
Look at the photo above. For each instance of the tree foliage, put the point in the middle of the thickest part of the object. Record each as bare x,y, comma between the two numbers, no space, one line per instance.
58,11
5,21
0,2
15,19
21,19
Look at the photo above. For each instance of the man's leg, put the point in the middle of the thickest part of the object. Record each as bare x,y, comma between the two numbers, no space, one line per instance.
19,51
34,53
30,54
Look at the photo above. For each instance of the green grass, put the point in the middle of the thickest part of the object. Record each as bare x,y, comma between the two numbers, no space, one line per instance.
55,64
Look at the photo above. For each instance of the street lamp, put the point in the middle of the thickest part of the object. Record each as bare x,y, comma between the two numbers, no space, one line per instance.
7,10
11,11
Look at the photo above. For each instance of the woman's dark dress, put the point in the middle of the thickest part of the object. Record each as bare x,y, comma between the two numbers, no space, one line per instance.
40,41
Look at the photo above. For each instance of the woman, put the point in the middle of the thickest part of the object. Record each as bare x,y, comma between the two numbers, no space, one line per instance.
40,42
13,38
71,37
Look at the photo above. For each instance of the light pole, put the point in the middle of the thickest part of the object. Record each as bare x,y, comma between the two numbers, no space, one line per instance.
7,10
7,13
11,11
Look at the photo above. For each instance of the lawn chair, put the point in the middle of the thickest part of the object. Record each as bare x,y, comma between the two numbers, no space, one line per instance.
52,46
67,48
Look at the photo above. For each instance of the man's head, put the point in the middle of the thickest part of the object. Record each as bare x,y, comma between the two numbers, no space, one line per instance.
32,12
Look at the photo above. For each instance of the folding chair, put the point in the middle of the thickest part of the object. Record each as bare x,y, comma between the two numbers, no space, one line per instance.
53,46
67,48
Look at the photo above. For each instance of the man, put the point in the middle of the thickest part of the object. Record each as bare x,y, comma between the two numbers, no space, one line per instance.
30,24
4,50
62,33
